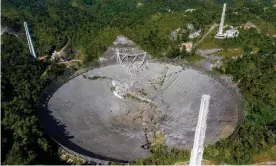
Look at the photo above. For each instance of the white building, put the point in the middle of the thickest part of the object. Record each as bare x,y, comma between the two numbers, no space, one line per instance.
229,33
190,26
195,34
188,46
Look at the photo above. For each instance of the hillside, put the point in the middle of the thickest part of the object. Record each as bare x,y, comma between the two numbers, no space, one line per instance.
88,28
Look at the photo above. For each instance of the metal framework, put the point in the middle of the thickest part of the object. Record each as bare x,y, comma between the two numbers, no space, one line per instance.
198,148
30,43
131,61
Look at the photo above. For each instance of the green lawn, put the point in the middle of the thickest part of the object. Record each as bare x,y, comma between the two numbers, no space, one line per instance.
209,42
265,27
193,58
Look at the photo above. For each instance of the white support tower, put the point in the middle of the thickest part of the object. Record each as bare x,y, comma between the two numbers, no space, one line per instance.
30,43
197,151
220,33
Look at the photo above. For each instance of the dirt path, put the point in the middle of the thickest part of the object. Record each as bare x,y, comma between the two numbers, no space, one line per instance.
66,45
66,62
61,52
210,30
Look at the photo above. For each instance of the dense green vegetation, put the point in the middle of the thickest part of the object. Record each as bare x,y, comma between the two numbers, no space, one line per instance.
161,155
93,25
244,40
23,141
255,75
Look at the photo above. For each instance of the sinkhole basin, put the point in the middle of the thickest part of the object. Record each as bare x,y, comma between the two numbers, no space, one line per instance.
114,114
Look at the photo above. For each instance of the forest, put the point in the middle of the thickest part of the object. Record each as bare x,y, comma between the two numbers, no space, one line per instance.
22,140
255,75
92,26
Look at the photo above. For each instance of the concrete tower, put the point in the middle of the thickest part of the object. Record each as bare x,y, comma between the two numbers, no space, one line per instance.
197,151
30,43
220,33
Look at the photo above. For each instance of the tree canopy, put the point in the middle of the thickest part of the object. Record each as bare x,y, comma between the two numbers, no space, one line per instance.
92,26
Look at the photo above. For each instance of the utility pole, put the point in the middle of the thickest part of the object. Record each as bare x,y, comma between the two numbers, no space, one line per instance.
198,148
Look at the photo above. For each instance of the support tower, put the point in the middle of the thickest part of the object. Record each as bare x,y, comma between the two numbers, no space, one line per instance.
220,33
197,151
30,43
